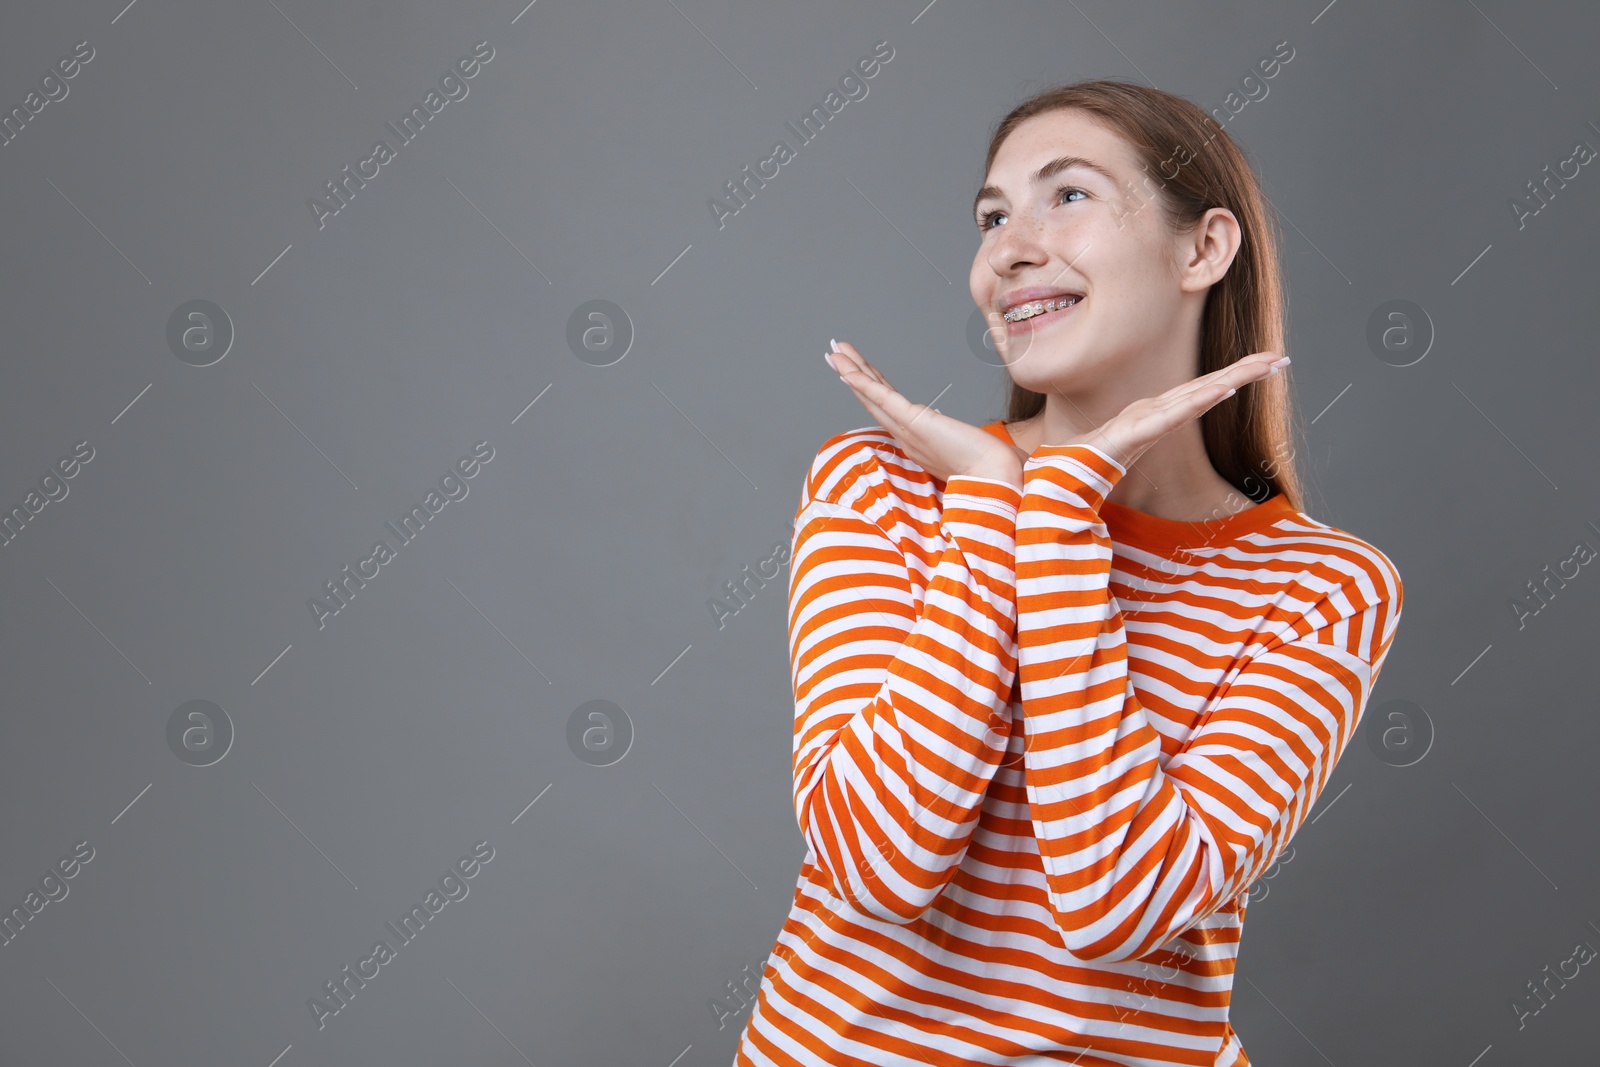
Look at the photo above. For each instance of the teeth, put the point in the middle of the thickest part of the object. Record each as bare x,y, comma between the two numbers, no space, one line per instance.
1038,307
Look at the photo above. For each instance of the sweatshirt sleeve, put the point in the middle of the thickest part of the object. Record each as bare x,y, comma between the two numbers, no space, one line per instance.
901,709
1134,853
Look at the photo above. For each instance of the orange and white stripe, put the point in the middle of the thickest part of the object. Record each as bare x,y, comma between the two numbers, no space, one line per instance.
1043,746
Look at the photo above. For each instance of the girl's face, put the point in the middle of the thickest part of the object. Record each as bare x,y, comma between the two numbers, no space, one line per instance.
1067,210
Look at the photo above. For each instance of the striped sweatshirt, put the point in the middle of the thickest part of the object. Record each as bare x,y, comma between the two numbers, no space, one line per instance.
1043,745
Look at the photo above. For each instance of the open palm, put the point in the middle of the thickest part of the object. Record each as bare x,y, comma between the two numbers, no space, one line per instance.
946,447
941,445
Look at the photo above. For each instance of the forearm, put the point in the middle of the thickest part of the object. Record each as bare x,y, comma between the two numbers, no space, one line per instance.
1135,852
901,710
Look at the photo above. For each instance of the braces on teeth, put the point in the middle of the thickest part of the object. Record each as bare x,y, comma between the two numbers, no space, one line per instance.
1038,307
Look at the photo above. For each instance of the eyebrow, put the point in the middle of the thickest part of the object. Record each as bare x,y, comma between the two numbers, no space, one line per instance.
1049,170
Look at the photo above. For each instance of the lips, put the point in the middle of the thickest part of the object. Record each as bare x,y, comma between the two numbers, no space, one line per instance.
1040,319
1034,294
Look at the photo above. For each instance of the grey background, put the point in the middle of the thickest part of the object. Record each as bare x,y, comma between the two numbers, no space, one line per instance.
429,314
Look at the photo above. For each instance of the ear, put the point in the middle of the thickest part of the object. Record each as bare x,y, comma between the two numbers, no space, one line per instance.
1207,250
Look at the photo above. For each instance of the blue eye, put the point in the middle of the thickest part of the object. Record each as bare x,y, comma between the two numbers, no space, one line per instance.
986,218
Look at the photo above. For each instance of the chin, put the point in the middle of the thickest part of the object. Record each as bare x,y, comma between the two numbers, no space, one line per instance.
1043,371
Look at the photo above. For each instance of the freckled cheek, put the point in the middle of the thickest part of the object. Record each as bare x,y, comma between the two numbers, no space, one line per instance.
1071,249
1092,251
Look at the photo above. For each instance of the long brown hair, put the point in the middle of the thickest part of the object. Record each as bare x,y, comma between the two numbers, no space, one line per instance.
1248,437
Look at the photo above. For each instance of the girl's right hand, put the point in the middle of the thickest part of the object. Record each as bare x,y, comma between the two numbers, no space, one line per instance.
941,445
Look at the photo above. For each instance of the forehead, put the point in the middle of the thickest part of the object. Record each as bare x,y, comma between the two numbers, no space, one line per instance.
1041,138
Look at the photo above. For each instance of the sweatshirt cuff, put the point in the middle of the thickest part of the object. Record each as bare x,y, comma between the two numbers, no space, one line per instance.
967,496
1085,470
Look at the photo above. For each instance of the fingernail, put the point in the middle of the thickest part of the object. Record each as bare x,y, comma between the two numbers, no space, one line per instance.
1280,362
834,343
829,358
1229,393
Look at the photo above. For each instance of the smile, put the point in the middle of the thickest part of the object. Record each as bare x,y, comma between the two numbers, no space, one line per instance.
1045,309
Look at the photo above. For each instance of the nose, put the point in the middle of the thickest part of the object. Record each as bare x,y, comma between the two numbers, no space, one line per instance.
1017,246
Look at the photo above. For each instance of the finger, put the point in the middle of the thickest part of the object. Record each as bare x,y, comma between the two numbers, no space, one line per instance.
1194,404
873,394
1160,415
855,355
897,414
900,416
1251,368
847,366
844,361
894,412
883,419
879,391
1143,423
1240,371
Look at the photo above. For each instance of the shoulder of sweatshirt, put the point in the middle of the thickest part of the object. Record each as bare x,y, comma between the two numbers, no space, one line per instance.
1334,562
865,470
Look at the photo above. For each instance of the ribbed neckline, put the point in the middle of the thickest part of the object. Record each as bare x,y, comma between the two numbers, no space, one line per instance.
1140,528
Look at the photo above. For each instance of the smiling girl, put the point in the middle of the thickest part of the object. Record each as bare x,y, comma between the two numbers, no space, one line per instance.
1068,683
